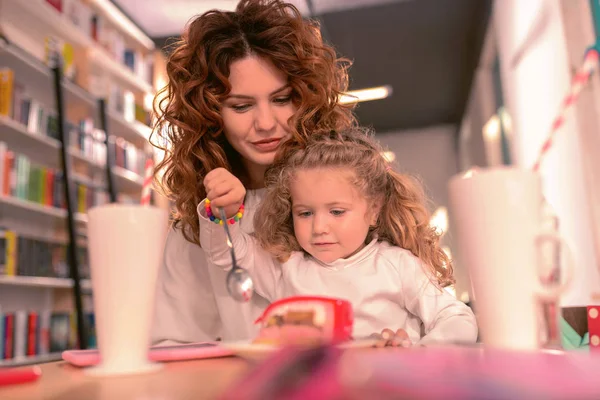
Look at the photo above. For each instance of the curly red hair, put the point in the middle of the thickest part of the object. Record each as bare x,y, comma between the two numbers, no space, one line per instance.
190,128
403,221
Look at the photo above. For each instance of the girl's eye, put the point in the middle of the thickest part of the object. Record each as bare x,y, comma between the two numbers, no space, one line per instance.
304,214
338,212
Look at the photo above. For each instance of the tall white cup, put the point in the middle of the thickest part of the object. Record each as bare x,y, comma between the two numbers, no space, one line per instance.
498,223
125,245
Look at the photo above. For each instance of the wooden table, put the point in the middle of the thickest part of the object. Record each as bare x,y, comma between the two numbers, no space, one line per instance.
199,379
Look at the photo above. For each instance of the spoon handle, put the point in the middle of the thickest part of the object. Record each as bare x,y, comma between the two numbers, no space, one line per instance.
230,242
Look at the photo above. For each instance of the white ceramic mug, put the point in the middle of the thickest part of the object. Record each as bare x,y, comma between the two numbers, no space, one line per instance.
498,223
125,245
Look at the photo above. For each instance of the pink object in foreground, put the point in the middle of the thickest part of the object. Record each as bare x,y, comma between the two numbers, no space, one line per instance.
590,64
423,373
147,185
179,352
593,317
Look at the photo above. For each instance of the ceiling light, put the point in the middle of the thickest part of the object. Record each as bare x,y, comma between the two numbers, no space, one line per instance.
439,221
491,130
388,156
374,93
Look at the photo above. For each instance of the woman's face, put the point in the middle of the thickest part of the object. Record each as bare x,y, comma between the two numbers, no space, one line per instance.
256,112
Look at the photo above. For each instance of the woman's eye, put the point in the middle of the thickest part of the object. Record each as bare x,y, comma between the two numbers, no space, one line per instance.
240,107
283,99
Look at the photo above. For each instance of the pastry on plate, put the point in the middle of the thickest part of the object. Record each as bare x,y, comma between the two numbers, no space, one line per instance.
306,320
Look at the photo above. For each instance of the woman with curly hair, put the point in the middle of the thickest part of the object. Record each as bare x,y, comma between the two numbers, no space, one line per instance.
337,221
239,85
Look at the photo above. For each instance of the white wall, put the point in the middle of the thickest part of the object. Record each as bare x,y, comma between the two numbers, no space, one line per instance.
533,92
430,154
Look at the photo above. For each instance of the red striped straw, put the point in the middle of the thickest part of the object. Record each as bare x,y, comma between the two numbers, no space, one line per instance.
590,64
148,178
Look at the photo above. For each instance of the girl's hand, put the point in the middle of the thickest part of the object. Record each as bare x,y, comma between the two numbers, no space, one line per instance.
223,189
387,338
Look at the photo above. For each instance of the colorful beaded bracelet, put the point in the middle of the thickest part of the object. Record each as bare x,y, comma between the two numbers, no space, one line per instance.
219,221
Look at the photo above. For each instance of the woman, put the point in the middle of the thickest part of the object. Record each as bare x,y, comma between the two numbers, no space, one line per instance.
240,83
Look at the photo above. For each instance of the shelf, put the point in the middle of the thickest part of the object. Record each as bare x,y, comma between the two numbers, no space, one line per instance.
42,282
127,181
28,137
117,18
18,139
31,206
45,148
12,205
79,156
56,23
31,360
36,74
59,25
104,62
84,180
133,131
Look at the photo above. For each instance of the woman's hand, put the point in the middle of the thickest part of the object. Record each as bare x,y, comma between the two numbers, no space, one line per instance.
223,189
387,338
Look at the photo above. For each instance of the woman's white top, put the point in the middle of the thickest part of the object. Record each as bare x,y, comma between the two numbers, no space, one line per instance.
192,303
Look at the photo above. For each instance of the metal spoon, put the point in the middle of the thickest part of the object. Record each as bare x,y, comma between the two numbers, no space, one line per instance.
239,282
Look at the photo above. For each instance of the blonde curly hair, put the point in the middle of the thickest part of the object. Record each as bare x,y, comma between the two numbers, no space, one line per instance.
403,219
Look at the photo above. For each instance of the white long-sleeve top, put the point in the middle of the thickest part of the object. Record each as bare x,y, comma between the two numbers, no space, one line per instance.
192,303
387,285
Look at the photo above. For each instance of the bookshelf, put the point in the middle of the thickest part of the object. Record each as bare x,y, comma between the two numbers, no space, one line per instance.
38,75
18,362
105,57
43,282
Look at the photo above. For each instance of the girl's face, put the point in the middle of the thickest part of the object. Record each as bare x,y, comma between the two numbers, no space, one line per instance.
331,218
256,113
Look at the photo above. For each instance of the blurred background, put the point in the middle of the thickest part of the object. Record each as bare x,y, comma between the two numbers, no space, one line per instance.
448,85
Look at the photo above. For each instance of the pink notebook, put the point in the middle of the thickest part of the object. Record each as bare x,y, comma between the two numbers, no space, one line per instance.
180,352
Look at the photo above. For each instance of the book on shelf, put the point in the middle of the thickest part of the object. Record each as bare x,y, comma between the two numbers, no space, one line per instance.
7,79
55,45
95,26
24,256
82,136
23,179
128,156
25,333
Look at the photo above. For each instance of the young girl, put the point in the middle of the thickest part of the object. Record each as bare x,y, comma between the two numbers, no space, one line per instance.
337,221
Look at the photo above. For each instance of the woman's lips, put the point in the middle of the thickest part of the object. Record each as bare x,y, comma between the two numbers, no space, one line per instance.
267,144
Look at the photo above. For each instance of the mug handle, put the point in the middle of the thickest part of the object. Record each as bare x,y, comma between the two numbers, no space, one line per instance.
552,291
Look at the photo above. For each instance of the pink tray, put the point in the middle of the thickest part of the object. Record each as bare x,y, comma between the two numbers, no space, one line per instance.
191,351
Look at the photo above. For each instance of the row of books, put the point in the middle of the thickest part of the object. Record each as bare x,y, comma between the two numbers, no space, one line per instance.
26,333
37,118
25,180
24,256
17,104
128,156
99,29
123,102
